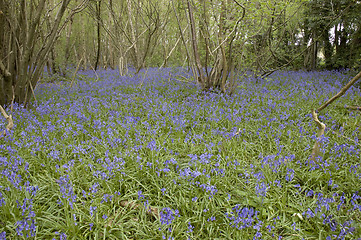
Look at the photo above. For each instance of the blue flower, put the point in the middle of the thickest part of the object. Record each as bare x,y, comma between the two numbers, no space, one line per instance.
290,174
167,215
242,217
190,227
92,210
3,236
140,195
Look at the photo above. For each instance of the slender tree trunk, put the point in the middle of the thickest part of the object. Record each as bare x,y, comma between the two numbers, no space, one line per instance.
23,62
84,46
68,48
314,51
201,78
51,58
327,48
98,9
133,31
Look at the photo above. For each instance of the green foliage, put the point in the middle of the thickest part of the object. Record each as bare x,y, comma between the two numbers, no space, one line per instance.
200,159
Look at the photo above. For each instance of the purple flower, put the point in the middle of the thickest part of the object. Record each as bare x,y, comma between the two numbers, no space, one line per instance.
24,225
3,236
140,195
261,189
190,227
331,222
290,174
92,210
167,215
309,193
63,236
242,217
309,213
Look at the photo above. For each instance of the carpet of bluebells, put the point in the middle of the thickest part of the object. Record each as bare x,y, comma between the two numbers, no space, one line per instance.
150,156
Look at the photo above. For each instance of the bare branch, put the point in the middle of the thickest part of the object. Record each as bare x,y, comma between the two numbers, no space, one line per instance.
321,126
76,70
175,45
10,122
321,130
342,92
3,70
354,108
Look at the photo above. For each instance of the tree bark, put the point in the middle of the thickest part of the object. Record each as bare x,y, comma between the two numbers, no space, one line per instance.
68,47
98,12
24,57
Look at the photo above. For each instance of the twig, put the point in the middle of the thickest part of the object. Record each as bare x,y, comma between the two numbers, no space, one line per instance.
9,118
320,125
95,72
321,130
340,135
238,132
145,74
76,70
185,81
152,211
353,108
12,101
342,92
32,91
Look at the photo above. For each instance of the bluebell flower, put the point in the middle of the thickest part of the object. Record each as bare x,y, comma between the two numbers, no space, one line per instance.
309,213
92,210
190,227
63,236
242,217
167,215
290,174
140,195
309,193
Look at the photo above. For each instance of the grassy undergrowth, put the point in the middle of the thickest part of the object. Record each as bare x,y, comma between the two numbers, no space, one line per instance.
150,157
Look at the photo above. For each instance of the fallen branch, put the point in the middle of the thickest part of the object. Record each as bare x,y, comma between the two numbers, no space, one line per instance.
342,92
76,71
321,126
321,130
353,108
95,72
350,139
151,211
9,118
238,132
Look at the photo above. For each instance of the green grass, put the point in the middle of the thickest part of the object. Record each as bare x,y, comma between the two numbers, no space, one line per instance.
73,161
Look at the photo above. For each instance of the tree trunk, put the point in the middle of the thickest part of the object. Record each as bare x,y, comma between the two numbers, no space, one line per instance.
25,58
68,47
98,9
327,48
133,30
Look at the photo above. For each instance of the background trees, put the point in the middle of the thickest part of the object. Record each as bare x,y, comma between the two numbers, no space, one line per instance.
214,38
26,42
334,29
